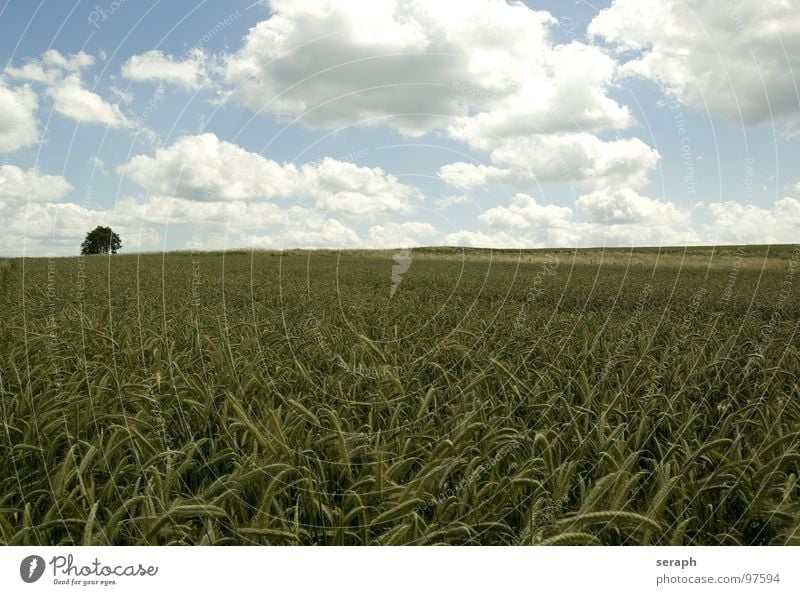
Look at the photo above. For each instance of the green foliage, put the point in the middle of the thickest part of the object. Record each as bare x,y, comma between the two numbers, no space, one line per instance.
286,399
101,240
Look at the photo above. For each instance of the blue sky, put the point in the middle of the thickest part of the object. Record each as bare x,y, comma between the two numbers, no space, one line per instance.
210,125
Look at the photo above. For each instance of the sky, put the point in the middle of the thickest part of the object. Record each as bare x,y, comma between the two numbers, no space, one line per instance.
398,123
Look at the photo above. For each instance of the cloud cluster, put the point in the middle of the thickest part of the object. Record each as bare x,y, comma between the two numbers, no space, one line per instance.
20,185
51,67
58,228
606,216
62,77
18,127
525,213
416,66
484,73
72,100
154,65
204,168
737,59
778,225
624,217
402,235
572,157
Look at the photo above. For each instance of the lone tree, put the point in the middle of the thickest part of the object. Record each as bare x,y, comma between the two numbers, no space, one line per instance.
101,240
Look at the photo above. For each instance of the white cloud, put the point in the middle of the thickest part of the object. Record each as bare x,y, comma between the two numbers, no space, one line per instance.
32,71
417,65
738,59
471,175
775,225
623,205
446,202
22,186
73,101
239,224
313,233
343,187
623,217
62,77
618,217
17,118
581,158
524,213
570,96
205,168
485,73
401,235
46,228
58,229
71,63
156,66
239,215
51,67
476,239
98,165
123,95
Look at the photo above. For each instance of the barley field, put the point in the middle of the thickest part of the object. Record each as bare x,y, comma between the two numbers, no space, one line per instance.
435,396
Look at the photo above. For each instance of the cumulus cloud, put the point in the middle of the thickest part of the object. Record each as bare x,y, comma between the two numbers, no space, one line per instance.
737,223
240,215
344,187
569,96
623,205
623,217
203,167
18,185
51,67
738,59
477,239
445,202
485,72
154,65
62,77
48,228
122,95
605,217
524,213
58,228
312,231
33,71
417,65
70,63
318,233
72,100
18,127
401,235
581,158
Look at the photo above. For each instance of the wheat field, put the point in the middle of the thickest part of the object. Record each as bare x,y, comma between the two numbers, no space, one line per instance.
470,397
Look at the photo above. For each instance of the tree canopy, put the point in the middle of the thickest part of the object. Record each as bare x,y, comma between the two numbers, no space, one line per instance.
101,240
